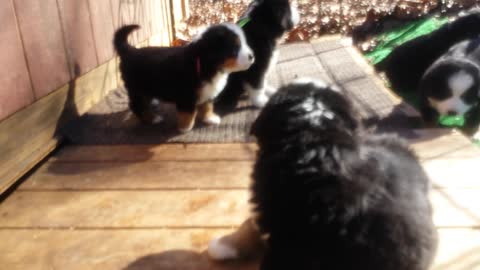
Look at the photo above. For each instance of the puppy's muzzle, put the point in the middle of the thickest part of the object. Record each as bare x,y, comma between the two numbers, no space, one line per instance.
243,61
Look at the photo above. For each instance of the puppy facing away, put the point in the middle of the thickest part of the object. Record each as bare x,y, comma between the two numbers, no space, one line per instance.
328,195
266,23
451,86
405,66
190,76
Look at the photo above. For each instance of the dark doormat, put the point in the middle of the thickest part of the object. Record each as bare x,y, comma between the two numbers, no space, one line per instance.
110,121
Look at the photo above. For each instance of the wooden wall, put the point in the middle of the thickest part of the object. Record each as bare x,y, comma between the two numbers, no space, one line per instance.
57,60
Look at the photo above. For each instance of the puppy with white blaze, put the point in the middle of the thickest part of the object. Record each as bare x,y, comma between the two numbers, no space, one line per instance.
264,23
190,76
329,195
451,85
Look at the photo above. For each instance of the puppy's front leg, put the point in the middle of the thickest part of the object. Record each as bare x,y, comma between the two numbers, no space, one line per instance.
246,242
270,90
207,114
257,94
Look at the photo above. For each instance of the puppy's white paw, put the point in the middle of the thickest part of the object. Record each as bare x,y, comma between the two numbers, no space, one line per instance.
306,80
270,90
476,137
185,130
213,120
157,119
260,100
220,251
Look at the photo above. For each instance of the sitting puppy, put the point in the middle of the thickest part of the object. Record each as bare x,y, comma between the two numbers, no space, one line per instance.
265,22
407,63
327,195
190,76
451,86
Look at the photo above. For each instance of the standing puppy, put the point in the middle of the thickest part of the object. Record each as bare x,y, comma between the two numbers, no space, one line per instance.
328,195
190,76
264,24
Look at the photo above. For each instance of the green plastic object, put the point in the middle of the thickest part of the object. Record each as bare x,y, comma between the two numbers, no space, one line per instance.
452,121
243,22
476,142
392,39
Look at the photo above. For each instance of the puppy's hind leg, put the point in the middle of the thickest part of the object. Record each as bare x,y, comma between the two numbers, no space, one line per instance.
141,107
246,242
186,115
207,115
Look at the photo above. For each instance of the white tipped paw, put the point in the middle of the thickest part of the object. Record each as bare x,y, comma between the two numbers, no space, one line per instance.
476,137
270,90
185,130
157,119
220,251
306,80
260,100
213,120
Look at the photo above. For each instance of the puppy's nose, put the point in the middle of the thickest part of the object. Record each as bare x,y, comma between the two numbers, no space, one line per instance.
451,113
251,58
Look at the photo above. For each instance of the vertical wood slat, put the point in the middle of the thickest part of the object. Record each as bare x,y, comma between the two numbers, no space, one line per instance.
14,69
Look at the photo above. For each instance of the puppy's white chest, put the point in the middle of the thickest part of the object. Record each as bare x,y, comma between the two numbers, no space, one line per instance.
211,89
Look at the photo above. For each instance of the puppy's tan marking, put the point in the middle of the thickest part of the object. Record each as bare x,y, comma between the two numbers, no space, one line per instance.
186,121
207,115
230,63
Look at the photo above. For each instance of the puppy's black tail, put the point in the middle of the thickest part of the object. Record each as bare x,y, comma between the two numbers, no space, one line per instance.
120,41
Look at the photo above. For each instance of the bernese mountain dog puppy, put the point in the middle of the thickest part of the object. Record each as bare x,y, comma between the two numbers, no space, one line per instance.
329,195
407,63
264,23
190,76
451,86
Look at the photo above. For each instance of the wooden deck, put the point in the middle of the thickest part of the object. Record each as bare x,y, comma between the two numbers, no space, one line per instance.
156,207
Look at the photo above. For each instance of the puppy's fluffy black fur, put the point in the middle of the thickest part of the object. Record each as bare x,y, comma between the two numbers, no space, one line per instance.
332,197
269,21
180,74
405,66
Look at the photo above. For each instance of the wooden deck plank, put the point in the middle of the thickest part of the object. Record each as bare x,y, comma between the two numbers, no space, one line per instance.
109,250
444,172
429,144
167,249
165,152
456,207
459,249
120,209
136,176
453,172
442,143
153,209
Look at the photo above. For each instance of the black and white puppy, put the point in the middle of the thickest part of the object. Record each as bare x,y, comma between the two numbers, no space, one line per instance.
190,76
328,195
405,66
266,21
451,86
